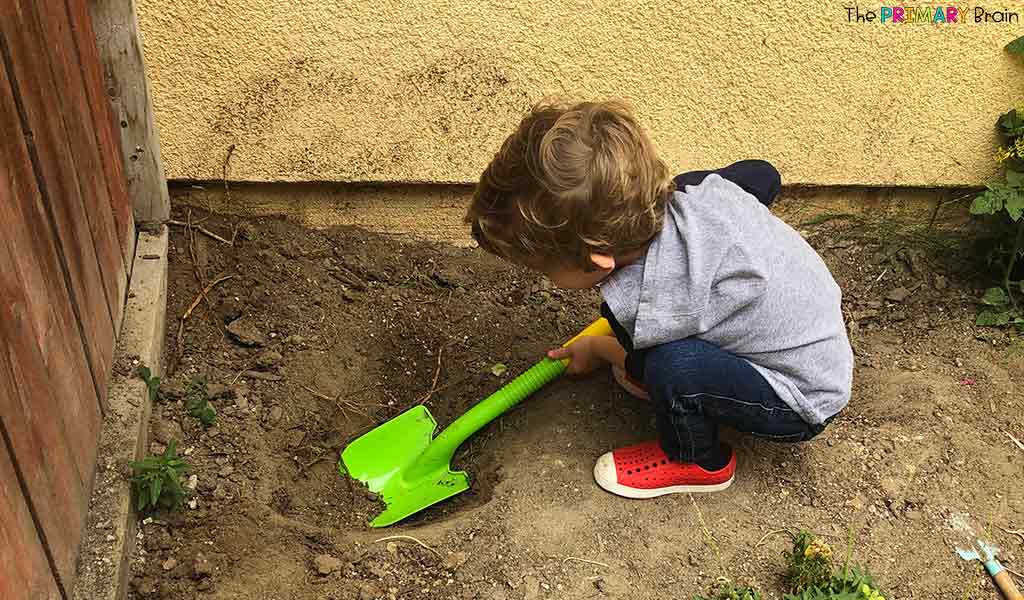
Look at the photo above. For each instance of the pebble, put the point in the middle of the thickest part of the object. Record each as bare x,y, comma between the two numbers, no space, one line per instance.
245,333
201,568
455,560
269,359
169,564
326,564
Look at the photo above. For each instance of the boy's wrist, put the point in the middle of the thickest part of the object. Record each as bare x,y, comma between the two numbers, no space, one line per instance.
608,349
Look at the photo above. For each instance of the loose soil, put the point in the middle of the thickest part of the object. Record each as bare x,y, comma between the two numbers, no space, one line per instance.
319,335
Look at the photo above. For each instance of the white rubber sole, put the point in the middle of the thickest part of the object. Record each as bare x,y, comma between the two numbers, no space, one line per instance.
604,475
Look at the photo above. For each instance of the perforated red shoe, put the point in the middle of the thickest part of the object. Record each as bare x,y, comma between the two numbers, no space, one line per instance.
644,471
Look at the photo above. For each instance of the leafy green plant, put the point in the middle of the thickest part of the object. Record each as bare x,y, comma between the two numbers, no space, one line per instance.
1002,204
157,480
152,381
197,402
810,575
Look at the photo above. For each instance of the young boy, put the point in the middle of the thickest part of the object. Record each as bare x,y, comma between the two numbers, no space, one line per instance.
722,313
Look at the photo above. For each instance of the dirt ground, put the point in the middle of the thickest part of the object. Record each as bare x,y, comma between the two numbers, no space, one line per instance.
319,335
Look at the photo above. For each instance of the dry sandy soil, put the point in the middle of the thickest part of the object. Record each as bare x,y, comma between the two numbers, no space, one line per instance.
349,328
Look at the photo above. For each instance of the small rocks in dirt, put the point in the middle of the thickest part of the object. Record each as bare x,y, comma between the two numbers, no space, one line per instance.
455,560
205,585
220,492
215,391
165,430
268,359
144,586
327,564
897,294
169,564
531,588
226,470
295,340
230,309
244,332
370,591
941,283
274,417
202,568
247,231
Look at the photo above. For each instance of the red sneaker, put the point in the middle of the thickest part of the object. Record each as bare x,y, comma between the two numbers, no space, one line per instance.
644,471
632,386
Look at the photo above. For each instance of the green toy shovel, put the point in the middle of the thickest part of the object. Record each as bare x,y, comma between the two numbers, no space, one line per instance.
410,471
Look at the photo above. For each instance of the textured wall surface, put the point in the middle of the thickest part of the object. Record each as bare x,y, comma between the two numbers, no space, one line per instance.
314,90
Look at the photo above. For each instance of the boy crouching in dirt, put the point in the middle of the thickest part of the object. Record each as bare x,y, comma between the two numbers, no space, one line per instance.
722,313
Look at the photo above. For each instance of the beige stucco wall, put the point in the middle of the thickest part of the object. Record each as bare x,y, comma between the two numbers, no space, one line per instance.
315,90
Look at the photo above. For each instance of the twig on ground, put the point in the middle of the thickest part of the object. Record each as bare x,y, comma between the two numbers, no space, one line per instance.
707,534
1014,573
1017,532
765,537
584,560
437,373
406,538
201,230
1014,440
884,271
343,403
179,345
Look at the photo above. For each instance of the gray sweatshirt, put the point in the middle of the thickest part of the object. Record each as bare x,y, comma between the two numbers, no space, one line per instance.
726,270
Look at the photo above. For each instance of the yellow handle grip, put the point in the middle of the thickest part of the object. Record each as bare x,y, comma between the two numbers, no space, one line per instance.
598,327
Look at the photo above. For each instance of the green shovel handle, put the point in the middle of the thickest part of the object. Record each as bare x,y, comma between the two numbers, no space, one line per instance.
501,401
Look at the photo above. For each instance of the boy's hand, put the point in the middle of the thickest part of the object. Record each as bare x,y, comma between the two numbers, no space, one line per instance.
589,353
584,355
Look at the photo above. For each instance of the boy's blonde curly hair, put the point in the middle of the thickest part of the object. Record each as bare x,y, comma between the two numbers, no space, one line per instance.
572,180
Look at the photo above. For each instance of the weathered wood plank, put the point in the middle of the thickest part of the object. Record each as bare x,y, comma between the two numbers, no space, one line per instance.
73,103
48,406
59,189
120,46
108,138
26,572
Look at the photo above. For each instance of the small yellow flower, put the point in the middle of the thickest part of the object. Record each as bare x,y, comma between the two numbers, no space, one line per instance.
818,547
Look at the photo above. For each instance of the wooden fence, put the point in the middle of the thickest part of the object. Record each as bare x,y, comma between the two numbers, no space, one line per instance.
66,245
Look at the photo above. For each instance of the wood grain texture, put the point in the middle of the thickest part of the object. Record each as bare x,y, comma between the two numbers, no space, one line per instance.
44,129
48,404
106,127
73,104
26,573
120,47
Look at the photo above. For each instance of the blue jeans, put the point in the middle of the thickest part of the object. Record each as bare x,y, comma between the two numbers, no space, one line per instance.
697,387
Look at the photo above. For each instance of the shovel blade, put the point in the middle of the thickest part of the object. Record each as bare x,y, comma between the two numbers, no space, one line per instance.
389,460
426,492
378,457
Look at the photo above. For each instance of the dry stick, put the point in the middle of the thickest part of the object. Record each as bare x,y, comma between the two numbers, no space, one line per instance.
1014,440
1017,532
765,537
409,538
1014,573
180,343
201,230
584,560
437,372
343,404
